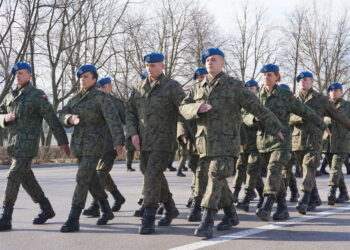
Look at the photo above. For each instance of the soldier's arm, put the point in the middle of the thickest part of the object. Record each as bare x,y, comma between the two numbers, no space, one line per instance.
252,105
178,95
300,109
3,113
113,120
121,110
249,120
295,120
47,112
132,120
65,114
188,107
332,112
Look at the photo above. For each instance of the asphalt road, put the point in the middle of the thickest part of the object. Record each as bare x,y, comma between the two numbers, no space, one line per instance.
328,227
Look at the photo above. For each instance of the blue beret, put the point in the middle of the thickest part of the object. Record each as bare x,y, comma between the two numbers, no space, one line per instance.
334,85
85,68
285,86
251,83
19,66
200,71
304,74
153,57
210,52
103,81
270,68
144,75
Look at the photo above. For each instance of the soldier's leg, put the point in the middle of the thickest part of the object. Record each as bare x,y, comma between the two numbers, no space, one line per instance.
240,176
275,188
336,162
343,191
129,158
183,154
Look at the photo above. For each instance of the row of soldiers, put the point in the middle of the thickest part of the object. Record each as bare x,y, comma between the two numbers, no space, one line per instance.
220,121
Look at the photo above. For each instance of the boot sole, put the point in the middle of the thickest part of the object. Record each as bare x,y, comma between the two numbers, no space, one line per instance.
146,231
302,210
263,217
40,222
331,201
105,220
206,235
66,230
161,224
6,228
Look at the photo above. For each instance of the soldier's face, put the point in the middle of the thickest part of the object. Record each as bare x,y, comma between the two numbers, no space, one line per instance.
23,76
253,89
107,88
87,80
214,64
200,78
336,94
154,69
270,78
306,83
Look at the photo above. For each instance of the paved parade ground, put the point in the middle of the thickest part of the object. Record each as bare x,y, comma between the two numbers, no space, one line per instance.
328,227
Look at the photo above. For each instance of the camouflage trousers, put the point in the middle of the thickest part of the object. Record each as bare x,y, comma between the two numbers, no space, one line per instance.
193,161
155,186
336,177
21,173
87,180
104,166
287,173
309,162
248,171
274,162
183,156
129,157
211,188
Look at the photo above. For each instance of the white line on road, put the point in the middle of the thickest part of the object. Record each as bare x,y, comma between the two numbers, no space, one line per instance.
257,230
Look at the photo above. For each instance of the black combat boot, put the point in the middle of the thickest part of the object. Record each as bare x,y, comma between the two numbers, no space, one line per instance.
93,210
72,224
294,194
148,219
107,213
323,167
343,195
229,220
119,200
261,198
171,213
129,168
140,211
282,209
6,217
315,199
46,212
332,195
195,212
160,210
205,228
265,211
171,168
235,194
244,204
189,202
185,169
179,173
303,203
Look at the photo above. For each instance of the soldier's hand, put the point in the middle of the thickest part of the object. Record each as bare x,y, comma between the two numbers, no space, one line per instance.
74,120
10,117
184,139
119,149
328,131
280,135
204,108
135,139
65,148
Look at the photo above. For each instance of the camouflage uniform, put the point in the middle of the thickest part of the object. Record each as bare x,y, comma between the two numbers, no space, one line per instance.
337,147
30,105
152,112
217,136
307,138
274,152
95,110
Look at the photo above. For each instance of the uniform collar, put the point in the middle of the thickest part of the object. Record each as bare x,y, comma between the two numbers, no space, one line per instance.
218,79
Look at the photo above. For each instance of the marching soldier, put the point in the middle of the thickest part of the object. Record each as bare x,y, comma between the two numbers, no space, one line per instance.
22,113
151,117
88,112
337,147
215,105
109,155
307,139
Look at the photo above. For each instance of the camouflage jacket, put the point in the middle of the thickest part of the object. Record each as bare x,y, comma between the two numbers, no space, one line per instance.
218,131
30,105
282,103
152,113
307,136
339,142
249,133
187,128
120,107
95,110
